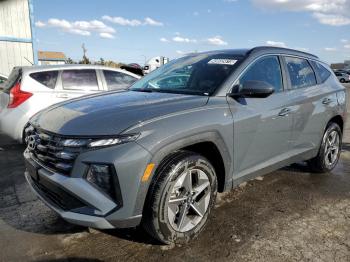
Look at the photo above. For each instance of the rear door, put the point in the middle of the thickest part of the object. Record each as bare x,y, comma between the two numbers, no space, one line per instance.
312,99
262,126
77,82
115,80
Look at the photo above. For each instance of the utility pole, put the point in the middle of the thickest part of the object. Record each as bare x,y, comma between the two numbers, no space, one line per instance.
84,50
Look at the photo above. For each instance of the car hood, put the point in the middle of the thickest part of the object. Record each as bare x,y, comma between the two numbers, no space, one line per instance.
111,113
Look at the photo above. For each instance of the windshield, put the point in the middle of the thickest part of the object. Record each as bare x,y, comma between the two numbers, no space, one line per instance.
199,74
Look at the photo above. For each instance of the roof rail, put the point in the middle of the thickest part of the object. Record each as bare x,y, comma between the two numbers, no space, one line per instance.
258,48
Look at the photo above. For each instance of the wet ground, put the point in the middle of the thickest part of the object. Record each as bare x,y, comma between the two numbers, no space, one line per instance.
288,215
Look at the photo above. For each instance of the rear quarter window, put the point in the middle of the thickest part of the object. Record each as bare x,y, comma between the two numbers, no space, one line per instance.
322,71
47,78
118,80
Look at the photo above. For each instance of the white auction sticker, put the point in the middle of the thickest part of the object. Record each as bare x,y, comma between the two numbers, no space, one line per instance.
222,61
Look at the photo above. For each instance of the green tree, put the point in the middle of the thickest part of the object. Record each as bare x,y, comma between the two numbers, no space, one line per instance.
70,61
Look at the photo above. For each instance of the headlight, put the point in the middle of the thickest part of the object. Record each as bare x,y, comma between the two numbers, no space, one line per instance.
113,141
90,142
74,142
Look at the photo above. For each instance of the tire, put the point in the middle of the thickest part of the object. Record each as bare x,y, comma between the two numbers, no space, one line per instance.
167,200
342,80
326,160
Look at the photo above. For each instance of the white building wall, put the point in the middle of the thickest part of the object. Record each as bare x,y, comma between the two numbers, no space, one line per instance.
16,48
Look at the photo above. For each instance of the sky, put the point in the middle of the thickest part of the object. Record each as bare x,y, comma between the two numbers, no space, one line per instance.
136,30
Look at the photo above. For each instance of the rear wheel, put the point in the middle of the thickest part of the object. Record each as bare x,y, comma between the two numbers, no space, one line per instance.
342,80
329,152
180,198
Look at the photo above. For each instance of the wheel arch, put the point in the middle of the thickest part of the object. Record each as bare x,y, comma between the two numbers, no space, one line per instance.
204,144
338,119
208,144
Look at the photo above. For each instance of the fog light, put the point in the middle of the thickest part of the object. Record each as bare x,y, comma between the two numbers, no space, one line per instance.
101,176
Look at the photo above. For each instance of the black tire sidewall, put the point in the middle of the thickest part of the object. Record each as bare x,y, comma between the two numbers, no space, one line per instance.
161,223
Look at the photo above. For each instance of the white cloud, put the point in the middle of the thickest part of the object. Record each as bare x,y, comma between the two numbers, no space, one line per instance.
180,52
329,12
40,24
347,46
83,28
330,49
150,21
344,40
332,19
230,1
106,35
122,21
181,39
216,40
195,13
275,43
131,22
164,40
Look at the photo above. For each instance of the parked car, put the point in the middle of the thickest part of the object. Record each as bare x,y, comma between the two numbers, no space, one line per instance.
343,77
158,154
133,68
31,89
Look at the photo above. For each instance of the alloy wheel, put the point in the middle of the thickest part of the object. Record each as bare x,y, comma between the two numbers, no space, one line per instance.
332,148
189,200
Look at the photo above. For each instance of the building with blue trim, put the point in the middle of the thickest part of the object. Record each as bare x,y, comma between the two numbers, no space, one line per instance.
17,35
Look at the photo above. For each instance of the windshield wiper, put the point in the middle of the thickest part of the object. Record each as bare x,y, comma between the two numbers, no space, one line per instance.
147,90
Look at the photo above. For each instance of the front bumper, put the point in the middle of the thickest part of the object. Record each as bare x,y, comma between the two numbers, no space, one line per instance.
79,202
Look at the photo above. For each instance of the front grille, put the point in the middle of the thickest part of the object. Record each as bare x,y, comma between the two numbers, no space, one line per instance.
46,149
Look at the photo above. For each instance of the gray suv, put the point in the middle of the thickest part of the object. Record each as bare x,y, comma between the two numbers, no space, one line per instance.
158,153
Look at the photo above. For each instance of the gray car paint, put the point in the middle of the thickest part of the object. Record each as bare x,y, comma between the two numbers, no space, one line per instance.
249,133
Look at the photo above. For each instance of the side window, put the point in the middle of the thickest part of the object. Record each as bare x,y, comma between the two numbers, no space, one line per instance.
321,71
300,72
47,78
117,80
266,69
84,79
338,74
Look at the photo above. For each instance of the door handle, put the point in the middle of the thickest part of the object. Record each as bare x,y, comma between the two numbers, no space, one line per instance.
62,95
327,101
284,112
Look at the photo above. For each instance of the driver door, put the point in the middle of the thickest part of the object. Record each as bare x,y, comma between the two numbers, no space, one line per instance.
262,126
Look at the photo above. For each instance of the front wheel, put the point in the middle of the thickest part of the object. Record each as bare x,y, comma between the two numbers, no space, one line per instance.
342,80
180,198
329,152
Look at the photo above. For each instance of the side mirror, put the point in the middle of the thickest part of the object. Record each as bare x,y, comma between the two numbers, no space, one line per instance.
254,89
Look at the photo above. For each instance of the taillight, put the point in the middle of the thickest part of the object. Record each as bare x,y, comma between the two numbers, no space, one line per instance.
17,96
